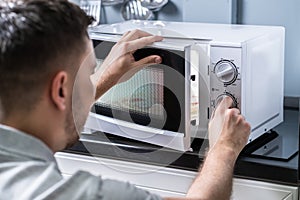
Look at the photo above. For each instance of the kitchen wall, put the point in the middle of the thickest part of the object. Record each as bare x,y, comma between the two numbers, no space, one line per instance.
214,11
284,13
260,12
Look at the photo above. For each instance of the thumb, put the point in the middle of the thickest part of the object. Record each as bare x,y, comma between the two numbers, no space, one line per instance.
225,104
148,60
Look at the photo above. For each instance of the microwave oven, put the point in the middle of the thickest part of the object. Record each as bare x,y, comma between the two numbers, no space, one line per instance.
169,104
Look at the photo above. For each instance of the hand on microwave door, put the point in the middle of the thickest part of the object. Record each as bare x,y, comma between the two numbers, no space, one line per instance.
228,134
120,64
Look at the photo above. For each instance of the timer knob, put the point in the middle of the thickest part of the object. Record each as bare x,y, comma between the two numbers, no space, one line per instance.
226,71
222,96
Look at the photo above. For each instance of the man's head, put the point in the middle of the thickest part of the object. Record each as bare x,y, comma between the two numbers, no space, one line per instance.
42,45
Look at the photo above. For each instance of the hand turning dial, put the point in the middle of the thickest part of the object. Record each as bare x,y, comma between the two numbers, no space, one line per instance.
222,96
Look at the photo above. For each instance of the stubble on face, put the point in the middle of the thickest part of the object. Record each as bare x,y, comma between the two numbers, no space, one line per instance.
74,123
83,96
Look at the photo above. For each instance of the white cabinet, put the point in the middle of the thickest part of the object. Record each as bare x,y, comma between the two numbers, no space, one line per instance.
249,190
167,181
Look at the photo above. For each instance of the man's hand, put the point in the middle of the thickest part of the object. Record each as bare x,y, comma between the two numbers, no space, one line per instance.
120,64
228,127
228,134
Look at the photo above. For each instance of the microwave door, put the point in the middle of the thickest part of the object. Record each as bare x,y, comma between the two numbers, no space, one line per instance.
200,89
153,106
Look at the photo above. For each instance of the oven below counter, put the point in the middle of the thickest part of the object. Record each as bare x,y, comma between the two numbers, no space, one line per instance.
166,181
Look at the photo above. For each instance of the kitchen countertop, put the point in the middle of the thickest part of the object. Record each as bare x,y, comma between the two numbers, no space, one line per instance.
276,161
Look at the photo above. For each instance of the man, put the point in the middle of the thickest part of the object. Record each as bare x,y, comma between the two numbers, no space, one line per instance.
45,54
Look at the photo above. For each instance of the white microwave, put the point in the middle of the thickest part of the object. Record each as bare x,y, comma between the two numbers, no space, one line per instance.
170,104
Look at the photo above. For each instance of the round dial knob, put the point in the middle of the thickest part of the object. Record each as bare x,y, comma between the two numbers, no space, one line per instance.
226,71
222,96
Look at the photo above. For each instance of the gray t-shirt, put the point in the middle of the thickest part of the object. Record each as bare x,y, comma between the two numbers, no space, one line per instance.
28,170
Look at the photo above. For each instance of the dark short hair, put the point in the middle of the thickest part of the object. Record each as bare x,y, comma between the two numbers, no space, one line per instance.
37,39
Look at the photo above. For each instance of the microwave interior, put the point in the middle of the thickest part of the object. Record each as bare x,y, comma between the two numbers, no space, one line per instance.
153,97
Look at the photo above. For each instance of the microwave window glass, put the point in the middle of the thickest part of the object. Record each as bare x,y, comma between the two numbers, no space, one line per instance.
141,94
154,96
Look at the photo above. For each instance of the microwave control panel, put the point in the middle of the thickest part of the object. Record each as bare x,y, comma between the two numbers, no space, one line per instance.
225,75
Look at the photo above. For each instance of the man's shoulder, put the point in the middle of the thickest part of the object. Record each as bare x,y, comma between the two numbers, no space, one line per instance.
29,178
34,179
17,146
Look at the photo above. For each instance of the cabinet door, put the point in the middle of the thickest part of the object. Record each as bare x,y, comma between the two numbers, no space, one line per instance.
290,197
167,182
249,190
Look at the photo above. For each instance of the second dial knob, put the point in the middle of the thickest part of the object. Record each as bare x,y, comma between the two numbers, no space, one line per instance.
226,71
222,96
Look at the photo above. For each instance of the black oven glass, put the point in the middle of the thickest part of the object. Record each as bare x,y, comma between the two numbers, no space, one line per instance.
152,97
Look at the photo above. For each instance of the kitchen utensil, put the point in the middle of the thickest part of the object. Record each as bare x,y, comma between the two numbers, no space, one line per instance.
133,9
154,5
111,2
92,8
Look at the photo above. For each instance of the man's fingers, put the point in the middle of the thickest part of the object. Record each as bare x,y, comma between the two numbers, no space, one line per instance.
236,111
233,114
142,42
125,35
138,65
227,102
148,60
135,34
224,105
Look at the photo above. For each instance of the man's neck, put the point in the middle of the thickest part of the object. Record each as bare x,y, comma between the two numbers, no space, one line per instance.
37,128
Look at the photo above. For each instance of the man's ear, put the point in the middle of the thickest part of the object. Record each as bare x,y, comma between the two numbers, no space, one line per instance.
59,90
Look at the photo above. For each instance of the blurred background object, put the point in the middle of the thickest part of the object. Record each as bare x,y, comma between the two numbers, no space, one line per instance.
154,5
111,2
92,8
133,9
